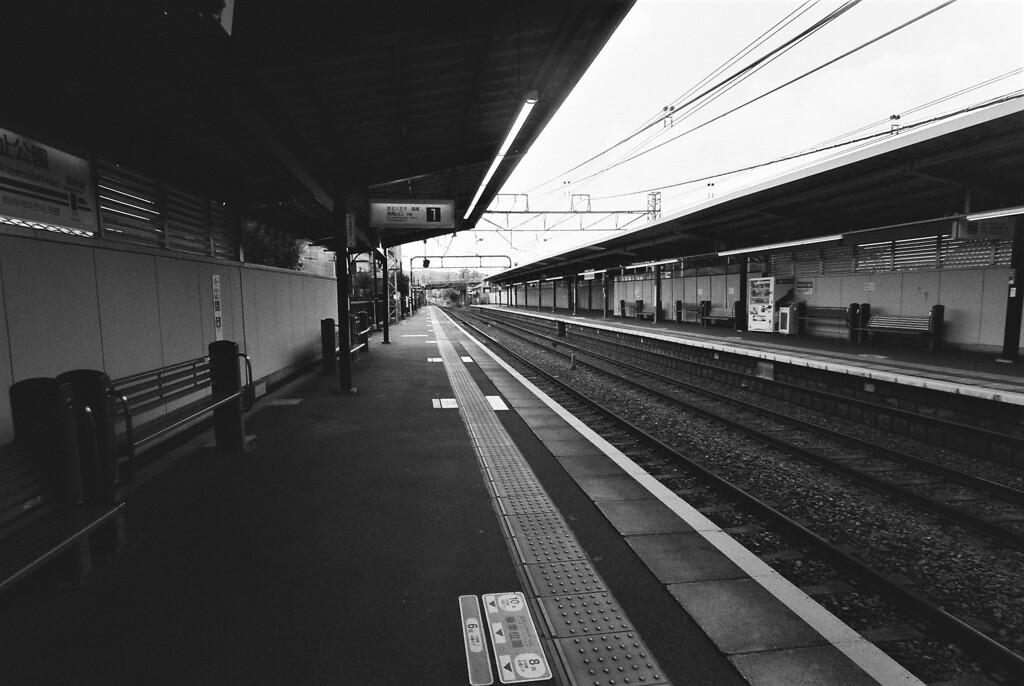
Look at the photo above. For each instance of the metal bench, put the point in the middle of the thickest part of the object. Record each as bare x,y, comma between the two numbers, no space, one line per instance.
929,326
826,316
686,312
360,328
215,379
44,511
713,315
640,313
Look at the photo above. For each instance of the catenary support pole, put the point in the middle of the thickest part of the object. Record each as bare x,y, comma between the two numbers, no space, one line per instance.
344,291
387,296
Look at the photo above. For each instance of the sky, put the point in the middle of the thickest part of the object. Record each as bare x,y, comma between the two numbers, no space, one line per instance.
663,49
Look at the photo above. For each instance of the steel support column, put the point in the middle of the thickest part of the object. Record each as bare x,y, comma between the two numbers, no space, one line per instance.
387,296
657,294
344,292
1014,299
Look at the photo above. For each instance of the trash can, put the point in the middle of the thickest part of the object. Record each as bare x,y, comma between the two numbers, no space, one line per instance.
44,422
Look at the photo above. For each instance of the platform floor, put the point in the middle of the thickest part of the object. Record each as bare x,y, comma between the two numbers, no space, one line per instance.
334,551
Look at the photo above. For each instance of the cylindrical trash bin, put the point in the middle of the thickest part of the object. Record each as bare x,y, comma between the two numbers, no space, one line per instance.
44,422
225,380
328,344
92,388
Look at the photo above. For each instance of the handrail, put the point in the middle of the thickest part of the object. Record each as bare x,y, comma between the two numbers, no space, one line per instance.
128,430
248,401
184,420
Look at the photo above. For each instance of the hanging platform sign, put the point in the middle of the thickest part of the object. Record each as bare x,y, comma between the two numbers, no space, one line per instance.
39,183
412,214
999,228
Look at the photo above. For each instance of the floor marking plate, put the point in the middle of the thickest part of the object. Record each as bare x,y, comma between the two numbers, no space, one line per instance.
478,660
445,403
281,402
414,335
518,652
435,359
467,359
496,402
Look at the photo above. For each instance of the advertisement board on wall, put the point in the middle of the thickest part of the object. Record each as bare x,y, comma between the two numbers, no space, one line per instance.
761,304
40,183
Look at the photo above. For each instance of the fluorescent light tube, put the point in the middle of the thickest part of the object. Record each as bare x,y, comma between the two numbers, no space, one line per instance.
524,112
779,246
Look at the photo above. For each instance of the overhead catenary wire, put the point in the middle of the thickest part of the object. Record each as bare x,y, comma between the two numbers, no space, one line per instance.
880,134
786,84
660,117
813,28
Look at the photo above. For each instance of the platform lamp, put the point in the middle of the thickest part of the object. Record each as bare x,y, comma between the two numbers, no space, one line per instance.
517,125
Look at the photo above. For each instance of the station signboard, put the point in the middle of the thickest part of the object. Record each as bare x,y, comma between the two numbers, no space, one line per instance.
997,228
412,214
39,183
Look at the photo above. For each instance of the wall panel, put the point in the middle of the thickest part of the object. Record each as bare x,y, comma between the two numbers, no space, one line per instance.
51,308
126,285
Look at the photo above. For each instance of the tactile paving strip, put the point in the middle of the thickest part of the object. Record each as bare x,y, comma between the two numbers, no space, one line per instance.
584,614
594,638
609,660
563,578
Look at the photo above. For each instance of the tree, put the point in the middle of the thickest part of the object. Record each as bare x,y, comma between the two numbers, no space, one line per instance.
269,247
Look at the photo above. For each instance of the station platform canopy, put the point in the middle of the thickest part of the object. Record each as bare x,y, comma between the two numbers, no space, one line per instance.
911,184
297,114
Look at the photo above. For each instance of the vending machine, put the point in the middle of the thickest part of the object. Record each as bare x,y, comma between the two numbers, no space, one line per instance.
761,304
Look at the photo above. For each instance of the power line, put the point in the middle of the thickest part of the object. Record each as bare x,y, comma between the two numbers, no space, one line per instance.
671,108
784,85
799,37
886,134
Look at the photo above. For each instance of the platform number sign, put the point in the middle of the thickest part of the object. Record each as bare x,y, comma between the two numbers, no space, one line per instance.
433,214
518,652
477,659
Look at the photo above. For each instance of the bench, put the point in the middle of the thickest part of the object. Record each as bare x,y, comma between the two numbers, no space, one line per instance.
360,328
713,315
216,377
43,510
809,316
686,312
929,326
640,313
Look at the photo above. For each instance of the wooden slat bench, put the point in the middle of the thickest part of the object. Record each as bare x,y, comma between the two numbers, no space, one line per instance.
929,326
42,514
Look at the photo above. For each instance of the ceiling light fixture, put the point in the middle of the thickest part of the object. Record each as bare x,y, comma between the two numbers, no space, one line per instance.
780,246
524,112
995,214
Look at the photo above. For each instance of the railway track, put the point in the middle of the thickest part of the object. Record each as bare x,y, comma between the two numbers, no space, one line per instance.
982,436
695,480
934,488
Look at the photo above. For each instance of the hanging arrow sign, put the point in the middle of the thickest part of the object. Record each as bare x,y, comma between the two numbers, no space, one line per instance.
518,652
